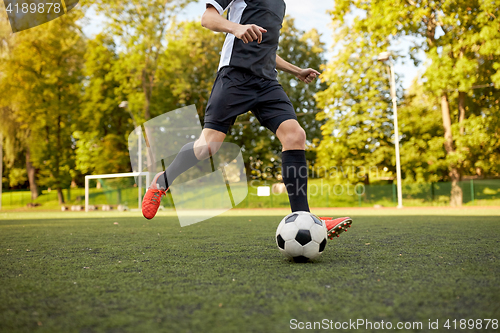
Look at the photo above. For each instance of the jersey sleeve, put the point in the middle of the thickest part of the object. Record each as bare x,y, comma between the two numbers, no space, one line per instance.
220,5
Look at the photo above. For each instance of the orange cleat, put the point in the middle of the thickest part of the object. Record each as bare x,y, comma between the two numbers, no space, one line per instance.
152,198
336,226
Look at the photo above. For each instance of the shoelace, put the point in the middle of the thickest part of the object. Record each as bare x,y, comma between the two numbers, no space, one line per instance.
155,196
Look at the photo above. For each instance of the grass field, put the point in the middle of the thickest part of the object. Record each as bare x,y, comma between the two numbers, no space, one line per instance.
77,272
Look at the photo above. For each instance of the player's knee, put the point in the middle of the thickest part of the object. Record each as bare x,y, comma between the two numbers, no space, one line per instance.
204,151
296,137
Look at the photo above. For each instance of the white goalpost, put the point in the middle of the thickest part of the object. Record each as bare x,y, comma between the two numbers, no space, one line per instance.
117,175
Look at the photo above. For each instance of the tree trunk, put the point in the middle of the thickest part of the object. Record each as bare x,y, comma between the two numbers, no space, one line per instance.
60,196
461,111
456,192
456,197
30,170
147,87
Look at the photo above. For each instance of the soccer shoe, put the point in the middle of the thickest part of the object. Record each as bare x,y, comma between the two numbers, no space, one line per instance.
336,226
152,198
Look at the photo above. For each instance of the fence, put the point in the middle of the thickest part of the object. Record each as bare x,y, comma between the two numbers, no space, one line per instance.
321,194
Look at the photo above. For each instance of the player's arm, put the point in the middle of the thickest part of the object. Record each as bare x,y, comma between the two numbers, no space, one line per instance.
212,20
305,75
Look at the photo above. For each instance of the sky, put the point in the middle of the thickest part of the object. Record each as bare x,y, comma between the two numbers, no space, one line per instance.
308,14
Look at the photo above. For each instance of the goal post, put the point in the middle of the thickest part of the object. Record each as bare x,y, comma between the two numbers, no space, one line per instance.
116,175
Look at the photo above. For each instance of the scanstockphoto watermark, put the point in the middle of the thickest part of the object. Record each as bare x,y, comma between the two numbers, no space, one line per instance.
334,180
429,325
358,324
352,172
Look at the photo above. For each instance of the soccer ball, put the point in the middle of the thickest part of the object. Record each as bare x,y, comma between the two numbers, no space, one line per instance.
301,236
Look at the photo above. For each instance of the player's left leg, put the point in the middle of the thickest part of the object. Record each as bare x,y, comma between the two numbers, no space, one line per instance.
208,144
190,154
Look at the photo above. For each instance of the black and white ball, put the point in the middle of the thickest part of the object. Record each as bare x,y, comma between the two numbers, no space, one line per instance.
301,236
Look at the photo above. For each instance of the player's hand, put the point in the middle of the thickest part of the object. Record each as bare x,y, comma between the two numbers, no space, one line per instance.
249,32
308,75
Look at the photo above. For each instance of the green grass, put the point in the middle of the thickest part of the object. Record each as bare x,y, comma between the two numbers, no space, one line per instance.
76,272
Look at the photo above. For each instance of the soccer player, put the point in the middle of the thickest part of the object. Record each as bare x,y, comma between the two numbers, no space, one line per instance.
246,80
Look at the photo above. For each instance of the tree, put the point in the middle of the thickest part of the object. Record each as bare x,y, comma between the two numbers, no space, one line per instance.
17,155
41,83
358,130
187,68
460,38
102,128
458,57
423,158
140,28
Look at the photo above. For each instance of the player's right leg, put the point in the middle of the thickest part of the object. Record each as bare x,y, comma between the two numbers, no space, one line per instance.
275,111
207,144
336,226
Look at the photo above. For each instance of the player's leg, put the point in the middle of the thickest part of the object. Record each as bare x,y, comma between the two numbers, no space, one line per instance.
295,173
208,143
190,154
275,111
294,164
227,100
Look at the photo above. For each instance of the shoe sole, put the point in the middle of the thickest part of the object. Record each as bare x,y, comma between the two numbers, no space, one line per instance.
339,228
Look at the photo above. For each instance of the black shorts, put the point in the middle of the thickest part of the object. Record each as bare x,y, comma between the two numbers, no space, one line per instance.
237,91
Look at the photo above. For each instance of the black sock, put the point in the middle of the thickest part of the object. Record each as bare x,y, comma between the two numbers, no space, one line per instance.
184,161
294,170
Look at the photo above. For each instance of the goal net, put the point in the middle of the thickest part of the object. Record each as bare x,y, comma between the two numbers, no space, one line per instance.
119,191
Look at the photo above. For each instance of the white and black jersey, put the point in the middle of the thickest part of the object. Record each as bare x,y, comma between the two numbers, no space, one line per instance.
260,59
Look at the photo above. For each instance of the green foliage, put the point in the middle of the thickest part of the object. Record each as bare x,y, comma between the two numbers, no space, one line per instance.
466,59
100,155
140,28
187,68
357,111
42,84
17,177
480,145
14,137
422,158
102,129
460,40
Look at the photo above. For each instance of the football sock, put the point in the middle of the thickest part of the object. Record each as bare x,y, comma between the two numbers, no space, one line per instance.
294,170
184,161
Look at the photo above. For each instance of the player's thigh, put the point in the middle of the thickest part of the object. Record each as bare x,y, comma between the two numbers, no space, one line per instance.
273,107
208,143
232,95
